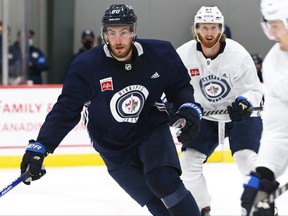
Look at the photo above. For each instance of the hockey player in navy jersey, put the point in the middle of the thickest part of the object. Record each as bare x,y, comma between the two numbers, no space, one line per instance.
120,83
272,159
224,76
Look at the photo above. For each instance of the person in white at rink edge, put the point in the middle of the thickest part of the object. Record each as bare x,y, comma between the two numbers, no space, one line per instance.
273,153
224,76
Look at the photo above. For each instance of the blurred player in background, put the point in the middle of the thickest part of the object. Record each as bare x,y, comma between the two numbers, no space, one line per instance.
224,76
120,83
273,153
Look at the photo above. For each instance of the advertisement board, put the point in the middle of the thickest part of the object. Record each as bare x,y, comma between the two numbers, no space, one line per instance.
23,110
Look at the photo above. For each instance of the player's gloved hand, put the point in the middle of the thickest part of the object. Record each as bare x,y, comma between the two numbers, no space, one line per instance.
240,109
256,190
187,119
32,162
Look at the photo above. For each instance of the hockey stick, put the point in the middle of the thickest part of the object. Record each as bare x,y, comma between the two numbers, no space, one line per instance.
180,123
14,184
279,191
262,197
219,112
221,125
271,197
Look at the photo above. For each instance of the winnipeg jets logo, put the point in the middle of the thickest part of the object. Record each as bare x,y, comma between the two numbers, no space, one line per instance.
127,104
214,88
132,104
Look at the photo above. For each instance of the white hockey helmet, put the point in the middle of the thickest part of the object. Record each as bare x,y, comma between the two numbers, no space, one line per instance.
209,15
275,10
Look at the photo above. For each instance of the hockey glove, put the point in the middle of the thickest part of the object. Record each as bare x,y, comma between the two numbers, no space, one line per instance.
32,162
253,200
187,120
240,109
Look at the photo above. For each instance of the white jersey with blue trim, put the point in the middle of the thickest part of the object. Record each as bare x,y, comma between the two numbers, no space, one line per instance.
218,82
274,141
275,73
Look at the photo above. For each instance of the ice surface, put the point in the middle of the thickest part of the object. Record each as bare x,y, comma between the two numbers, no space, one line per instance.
91,191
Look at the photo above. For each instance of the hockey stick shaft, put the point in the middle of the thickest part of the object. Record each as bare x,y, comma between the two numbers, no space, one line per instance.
13,184
219,112
262,197
181,122
278,192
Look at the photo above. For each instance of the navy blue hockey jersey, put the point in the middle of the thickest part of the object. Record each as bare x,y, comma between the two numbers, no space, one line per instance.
122,98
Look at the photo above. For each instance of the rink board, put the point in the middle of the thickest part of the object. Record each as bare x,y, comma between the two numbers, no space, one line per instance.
93,159
23,110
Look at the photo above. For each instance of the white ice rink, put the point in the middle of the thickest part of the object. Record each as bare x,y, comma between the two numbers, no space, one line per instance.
91,191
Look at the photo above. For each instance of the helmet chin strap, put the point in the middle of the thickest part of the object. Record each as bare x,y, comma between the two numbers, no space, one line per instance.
107,42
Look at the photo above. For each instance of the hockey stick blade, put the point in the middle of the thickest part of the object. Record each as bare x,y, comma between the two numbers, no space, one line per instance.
13,184
219,112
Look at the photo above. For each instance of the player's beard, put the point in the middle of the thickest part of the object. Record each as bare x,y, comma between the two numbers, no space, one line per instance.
124,52
210,41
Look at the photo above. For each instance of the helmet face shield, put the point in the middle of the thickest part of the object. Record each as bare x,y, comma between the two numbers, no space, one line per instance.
274,29
275,10
119,15
265,28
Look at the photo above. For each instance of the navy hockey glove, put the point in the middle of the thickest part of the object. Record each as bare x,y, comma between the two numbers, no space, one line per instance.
253,200
32,162
240,109
187,119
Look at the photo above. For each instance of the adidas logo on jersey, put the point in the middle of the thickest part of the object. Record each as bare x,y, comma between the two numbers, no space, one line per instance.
155,75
